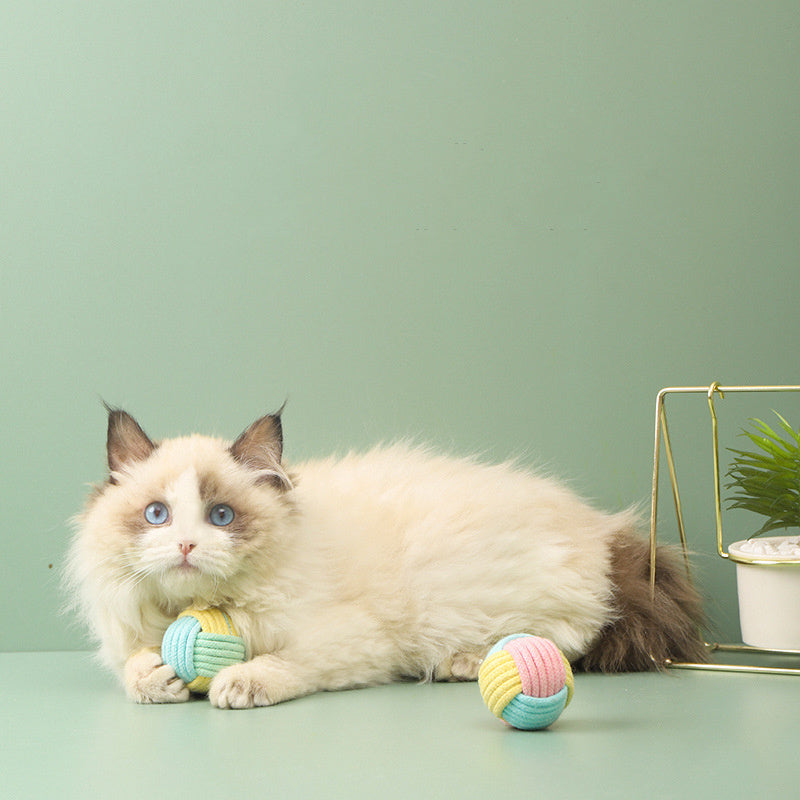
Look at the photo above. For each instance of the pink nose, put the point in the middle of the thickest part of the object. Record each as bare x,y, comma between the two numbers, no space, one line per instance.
186,547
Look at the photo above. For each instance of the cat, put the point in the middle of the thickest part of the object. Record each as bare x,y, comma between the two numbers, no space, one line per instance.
399,563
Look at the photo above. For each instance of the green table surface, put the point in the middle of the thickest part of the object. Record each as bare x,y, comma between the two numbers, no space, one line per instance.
68,731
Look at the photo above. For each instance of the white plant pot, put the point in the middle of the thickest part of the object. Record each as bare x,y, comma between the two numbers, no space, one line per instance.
769,591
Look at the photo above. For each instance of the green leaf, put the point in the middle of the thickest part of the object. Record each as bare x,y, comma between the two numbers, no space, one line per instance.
788,428
766,481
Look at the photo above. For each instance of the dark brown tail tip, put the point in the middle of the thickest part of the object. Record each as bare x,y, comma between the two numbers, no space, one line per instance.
647,632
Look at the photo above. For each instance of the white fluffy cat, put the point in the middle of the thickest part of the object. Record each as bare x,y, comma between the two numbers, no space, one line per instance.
398,563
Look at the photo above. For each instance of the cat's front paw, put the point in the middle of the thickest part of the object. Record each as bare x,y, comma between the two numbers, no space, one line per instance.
149,680
264,681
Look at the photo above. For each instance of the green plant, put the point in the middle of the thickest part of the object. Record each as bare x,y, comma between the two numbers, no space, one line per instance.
767,481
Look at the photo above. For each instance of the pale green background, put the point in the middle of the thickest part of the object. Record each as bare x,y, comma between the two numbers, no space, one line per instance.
499,227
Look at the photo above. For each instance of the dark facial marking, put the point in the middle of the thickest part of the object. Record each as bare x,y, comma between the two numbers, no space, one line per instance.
212,492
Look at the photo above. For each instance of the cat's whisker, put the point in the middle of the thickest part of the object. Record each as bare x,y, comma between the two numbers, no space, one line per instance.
131,581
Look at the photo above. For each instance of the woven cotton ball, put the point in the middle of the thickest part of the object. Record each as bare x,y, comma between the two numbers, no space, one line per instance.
526,681
199,644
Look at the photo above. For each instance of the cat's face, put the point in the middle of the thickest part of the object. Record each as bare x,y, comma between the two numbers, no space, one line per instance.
184,519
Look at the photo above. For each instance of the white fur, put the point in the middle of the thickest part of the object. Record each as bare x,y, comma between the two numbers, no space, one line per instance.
395,563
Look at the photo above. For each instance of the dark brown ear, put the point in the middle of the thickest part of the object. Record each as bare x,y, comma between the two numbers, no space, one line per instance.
260,449
126,441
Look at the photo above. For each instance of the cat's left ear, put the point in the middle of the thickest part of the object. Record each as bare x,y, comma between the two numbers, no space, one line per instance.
260,449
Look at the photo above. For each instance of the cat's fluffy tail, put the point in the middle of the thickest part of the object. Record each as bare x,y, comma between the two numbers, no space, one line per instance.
646,631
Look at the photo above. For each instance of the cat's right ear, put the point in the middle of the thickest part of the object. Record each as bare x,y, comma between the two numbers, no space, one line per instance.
126,442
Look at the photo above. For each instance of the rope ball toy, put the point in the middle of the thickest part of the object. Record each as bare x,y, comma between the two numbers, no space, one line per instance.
199,644
526,681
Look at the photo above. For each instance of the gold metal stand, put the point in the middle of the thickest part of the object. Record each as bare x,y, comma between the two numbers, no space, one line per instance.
662,432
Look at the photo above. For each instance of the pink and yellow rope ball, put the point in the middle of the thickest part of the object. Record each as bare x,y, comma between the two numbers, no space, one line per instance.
526,681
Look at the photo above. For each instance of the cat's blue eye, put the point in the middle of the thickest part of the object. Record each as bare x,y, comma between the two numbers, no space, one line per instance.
156,513
221,515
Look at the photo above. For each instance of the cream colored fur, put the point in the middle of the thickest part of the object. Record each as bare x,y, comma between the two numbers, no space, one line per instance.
357,571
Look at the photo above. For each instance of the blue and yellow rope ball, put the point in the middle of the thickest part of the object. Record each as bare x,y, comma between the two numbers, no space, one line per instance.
200,643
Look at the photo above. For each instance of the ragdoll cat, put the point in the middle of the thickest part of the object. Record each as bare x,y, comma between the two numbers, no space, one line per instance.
398,563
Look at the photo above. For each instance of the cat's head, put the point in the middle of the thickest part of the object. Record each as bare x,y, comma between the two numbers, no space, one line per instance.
187,519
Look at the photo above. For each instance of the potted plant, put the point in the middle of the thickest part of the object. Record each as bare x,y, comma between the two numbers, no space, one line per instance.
767,482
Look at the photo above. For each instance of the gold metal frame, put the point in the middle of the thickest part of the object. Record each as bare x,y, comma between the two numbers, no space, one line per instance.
662,432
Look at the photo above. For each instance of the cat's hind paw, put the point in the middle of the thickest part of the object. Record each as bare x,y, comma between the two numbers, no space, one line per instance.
149,680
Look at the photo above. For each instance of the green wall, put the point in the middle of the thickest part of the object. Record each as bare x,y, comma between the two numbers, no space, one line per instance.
499,227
